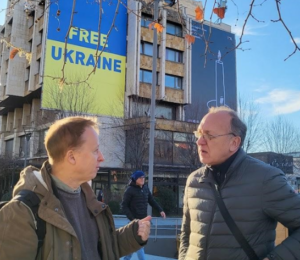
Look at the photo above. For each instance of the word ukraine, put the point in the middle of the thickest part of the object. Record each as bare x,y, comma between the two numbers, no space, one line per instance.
80,58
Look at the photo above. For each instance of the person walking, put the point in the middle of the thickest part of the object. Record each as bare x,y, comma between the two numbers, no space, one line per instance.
135,201
78,226
255,194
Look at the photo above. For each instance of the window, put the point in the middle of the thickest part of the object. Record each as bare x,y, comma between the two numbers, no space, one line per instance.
173,82
174,29
146,20
173,55
165,111
147,48
146,76
23,144
163,147
41,150
9,147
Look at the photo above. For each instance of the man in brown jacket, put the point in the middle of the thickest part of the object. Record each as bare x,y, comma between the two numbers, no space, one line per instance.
78,226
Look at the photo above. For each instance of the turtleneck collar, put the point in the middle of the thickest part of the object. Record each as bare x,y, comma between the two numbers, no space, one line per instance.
220,170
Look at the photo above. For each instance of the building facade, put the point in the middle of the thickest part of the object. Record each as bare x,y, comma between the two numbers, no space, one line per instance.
124,141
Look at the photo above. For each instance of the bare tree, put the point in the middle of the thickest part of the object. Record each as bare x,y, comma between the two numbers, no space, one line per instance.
71,100
281,136
249,113
9,174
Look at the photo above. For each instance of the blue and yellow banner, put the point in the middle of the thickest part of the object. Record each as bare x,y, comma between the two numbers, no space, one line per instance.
71,55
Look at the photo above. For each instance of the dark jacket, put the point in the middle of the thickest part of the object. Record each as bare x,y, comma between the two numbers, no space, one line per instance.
256,195
135,201
18,239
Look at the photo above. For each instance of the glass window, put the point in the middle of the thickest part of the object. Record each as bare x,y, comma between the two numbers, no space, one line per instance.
146,20
173,55
147,49
165,112
24,143
41,148
146,76
174,29
173,82
163,152
9,147
163,135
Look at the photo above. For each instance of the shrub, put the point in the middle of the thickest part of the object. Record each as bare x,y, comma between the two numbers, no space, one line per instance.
114,207
166,198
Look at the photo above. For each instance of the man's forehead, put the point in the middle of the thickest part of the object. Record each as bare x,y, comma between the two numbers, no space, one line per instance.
215,120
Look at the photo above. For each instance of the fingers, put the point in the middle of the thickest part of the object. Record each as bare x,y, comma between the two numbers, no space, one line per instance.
163,214
144,228
148,218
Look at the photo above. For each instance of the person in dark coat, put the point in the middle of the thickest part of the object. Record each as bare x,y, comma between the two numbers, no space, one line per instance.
135,202
256,195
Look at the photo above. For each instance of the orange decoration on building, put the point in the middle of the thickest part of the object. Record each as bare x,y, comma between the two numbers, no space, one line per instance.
158,27
13,53
189,38
199,13
220,12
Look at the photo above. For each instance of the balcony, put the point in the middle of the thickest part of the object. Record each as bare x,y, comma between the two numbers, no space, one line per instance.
30,32
38,51
41,23
162,124
36,81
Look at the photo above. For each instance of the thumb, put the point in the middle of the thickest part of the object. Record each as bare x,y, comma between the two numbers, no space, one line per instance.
148,218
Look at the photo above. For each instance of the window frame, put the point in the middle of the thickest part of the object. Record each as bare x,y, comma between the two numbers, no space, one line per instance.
175,78
178,55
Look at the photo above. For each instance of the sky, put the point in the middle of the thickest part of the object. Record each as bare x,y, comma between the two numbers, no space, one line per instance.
263,75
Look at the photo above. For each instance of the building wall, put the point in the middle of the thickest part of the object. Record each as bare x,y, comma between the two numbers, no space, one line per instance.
21,78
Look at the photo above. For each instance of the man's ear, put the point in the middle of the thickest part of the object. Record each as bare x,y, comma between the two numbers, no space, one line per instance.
70,156
235,143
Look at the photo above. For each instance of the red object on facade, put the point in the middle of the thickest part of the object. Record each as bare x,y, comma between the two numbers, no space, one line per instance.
220,12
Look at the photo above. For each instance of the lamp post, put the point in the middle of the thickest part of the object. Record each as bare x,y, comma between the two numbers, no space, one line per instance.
152,107
27,138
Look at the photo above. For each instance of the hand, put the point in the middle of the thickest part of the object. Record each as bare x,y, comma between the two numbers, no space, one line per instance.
266,258
144,228
163,214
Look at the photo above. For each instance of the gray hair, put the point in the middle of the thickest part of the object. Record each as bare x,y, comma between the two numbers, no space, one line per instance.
238,127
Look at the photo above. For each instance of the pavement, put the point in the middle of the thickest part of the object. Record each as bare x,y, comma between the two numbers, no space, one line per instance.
150,257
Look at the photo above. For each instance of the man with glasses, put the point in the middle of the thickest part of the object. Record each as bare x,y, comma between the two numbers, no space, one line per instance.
135,202
256,195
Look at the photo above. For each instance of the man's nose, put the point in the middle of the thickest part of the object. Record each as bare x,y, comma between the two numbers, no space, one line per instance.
201,140
100,157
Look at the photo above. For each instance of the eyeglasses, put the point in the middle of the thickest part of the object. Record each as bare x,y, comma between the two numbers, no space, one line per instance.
208,137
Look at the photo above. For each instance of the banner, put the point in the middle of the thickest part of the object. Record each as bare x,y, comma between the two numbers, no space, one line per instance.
214,80
96,80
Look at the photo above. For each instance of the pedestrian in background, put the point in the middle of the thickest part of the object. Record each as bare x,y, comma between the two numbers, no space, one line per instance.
135,201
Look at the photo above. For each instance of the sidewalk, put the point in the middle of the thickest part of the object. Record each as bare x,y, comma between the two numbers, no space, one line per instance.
150,257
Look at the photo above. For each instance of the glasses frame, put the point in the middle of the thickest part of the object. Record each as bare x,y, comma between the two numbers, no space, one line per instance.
209,137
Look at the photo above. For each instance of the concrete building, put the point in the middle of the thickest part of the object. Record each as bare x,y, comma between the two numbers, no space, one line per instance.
175,150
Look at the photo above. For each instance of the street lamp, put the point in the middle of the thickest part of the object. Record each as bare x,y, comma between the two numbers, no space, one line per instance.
27,138
152,107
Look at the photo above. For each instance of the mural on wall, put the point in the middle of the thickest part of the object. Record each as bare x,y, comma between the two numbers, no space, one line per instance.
220,90
94,47
214,75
